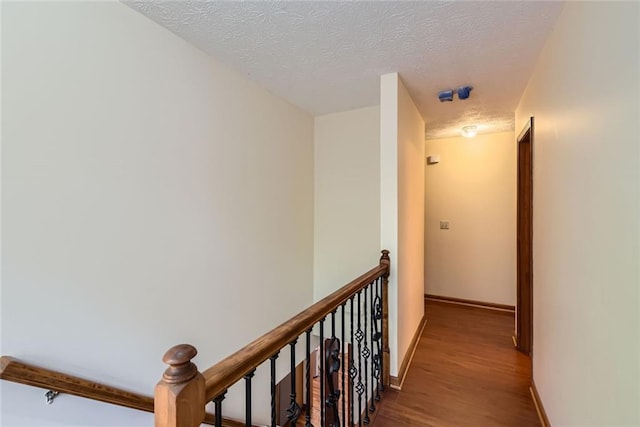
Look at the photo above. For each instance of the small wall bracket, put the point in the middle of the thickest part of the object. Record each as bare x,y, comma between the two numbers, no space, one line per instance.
50,396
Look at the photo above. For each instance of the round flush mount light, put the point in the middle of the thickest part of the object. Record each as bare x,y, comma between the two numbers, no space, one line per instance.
469,131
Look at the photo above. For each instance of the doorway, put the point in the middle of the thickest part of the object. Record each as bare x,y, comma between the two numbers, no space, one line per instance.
524,310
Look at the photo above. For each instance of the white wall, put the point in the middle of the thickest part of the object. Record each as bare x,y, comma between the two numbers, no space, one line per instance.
347,204
584,97
347,197
474,188
402,211
150,197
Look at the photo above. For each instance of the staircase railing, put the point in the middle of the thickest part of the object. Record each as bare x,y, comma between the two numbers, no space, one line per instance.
361,310
17,371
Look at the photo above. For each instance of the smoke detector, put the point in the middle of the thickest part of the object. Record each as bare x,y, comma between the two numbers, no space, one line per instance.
447,94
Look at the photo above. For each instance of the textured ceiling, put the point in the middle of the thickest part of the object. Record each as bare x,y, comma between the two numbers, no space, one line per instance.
327,56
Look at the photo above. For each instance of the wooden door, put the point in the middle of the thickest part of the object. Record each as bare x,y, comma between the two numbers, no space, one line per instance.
524,319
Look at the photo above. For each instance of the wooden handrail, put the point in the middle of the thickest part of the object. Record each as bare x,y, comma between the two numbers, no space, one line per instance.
23,373
183,391
228,371
16,371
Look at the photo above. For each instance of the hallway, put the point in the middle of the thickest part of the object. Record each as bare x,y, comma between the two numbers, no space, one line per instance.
466,372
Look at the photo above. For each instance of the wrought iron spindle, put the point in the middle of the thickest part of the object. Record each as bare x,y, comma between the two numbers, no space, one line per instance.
377,338
321,358
273,388
344,396
217,401
352,366
332,359
384,340
307,374
372,408
293,413
247,397
366,353
359,337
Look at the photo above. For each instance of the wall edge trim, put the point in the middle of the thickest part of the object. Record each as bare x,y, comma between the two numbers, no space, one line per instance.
474,303
537,402
396,382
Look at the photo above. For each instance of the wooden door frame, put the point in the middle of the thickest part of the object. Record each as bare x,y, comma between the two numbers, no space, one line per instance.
524,268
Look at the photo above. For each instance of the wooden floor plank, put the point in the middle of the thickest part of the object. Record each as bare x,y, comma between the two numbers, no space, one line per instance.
465,372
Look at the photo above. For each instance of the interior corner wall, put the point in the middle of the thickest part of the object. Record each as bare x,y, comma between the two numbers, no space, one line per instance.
411,169
474,188
402,211
389,200
347,197
150,197
583,96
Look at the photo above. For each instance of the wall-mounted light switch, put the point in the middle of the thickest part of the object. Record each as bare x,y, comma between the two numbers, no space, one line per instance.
444,225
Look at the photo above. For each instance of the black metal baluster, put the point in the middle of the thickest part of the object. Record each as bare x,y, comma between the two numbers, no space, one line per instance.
372,408
332,358
352,367
344,403
366,353
294,409
382,387
376,315
273,388
217,401
322,361
247,397
359,386
307,374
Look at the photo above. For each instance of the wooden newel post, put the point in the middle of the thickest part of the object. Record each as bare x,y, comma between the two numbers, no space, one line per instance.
386,361
179,396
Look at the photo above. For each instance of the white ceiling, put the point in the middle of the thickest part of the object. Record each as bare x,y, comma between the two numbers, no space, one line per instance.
327,56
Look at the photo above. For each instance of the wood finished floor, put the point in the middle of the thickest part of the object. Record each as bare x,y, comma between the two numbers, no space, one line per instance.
466,372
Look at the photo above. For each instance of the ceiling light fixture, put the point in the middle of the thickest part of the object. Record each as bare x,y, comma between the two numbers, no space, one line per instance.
469,131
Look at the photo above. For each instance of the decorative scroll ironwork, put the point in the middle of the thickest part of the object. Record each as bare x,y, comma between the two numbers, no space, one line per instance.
293,411
359,338
352,365
366,353
374,384
332,359
376,316
353,371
